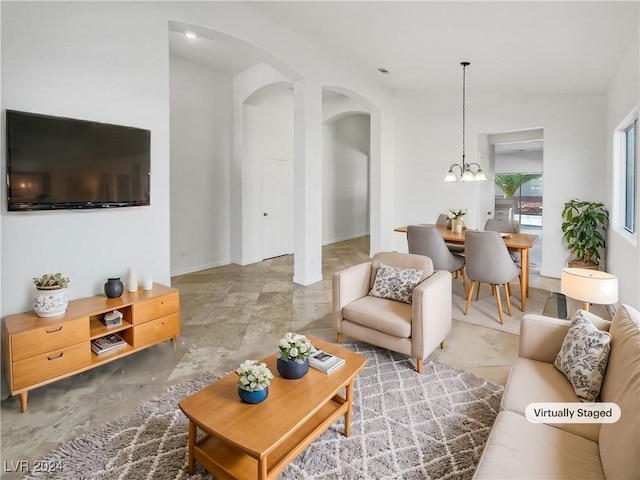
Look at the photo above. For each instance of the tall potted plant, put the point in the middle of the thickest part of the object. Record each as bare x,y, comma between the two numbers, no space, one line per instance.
584,229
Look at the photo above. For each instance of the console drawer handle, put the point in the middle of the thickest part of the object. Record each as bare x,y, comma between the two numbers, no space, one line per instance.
57,356
54,331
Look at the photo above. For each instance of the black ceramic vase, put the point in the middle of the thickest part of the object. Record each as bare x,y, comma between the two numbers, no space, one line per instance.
113,288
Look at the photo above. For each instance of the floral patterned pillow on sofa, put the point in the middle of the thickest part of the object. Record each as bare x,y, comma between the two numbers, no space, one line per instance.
584,356
395,283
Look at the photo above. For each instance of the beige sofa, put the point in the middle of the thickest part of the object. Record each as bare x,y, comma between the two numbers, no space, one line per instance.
518,448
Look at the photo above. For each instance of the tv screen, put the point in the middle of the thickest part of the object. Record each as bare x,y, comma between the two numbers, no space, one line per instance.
57,163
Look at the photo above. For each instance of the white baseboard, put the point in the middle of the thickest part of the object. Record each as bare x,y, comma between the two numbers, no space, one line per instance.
342,239
198,268
550,274
307,281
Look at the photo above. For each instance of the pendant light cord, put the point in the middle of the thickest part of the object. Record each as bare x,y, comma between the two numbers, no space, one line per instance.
464,68
467,173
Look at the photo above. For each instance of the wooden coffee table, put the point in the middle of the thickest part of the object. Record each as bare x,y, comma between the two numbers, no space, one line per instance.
242,441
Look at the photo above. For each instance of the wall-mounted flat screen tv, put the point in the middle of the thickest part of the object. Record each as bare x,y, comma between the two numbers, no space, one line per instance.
58,163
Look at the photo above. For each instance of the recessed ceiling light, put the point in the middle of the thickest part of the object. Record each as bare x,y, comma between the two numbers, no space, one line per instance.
383,70
190,35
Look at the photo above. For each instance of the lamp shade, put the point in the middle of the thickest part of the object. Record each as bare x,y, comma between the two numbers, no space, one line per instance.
450,177
592,286
480,176
467,176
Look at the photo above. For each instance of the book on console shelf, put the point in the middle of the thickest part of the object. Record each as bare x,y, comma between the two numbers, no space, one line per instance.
112,319
107,344
325,362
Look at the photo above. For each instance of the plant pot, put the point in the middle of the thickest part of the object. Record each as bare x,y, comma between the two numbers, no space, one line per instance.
292,370
50,302
584,265
253,397
113,288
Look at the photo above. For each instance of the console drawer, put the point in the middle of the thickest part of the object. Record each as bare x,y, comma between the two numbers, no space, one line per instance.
156,330
52,337
155,308
52,364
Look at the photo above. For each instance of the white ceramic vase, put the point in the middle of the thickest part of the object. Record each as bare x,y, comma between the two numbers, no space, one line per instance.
132,280
147,282
50,303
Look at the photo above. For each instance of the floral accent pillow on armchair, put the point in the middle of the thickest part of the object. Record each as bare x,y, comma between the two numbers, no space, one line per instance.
583,357
395,283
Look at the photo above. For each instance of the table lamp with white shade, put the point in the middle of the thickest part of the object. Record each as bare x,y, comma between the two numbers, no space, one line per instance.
589,286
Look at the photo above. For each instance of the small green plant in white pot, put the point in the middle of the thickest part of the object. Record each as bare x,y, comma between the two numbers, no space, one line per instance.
50,299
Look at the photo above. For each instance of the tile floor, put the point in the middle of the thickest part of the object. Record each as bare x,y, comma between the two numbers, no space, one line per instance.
228,314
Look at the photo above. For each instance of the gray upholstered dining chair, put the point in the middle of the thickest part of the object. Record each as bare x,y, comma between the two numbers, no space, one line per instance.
426,240
488,261
503,226
443,219
497,225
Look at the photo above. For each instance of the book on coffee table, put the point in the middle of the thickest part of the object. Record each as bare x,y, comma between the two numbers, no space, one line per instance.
325,362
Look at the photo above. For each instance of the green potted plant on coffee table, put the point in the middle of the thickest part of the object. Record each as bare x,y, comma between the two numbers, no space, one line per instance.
584,229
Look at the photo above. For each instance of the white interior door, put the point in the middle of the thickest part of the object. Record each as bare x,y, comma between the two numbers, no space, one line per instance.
276,199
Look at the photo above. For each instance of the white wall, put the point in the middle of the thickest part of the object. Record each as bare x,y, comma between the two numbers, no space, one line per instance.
519,162
83,60
623,249
119,72
201,128
109,62
428,140
345,178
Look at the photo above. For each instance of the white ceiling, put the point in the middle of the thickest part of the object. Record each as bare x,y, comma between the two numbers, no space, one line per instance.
211,51
513,46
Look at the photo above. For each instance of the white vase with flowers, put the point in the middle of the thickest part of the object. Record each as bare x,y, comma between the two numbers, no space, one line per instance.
456,221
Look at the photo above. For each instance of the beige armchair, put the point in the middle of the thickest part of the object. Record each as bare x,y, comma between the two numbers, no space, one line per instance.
413,329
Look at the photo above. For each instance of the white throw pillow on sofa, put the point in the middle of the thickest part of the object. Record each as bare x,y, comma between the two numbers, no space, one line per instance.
584,355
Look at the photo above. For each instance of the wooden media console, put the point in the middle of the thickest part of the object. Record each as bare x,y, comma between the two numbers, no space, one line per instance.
38,351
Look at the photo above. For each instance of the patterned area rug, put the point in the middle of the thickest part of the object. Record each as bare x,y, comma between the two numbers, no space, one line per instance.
404,426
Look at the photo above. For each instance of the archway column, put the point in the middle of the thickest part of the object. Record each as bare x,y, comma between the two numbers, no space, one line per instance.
307,172
381,182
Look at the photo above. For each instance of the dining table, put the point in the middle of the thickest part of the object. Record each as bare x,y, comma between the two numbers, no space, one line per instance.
515,242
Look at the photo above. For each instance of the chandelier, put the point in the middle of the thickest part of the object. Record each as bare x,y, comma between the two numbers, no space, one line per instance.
469,172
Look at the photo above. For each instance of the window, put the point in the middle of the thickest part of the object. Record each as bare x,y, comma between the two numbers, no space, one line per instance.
629,171
525,189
